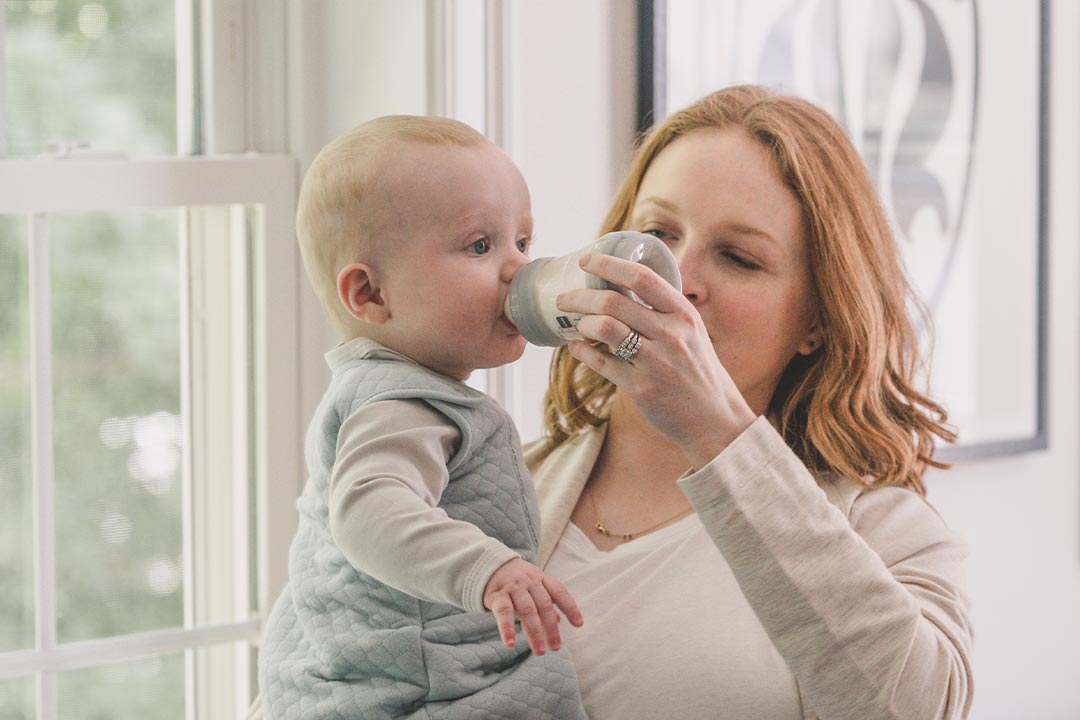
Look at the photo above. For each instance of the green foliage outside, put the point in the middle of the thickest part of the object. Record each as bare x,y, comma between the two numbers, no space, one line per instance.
101,72
116,91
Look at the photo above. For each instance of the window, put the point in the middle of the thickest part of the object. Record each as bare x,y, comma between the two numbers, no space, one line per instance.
147,364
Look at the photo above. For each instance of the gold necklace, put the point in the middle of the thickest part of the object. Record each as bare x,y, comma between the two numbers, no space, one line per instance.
627,537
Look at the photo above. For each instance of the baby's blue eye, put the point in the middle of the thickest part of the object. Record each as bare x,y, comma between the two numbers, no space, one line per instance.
481,246
523,244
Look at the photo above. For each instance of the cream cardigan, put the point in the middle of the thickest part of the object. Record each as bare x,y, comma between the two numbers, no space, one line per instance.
860,590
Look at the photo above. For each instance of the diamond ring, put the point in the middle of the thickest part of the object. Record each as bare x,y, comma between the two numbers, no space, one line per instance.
629,347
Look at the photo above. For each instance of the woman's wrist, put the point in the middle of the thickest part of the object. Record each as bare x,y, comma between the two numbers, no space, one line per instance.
705,446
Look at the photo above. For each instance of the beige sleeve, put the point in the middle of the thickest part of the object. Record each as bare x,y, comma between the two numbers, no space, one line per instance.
388,477
866,605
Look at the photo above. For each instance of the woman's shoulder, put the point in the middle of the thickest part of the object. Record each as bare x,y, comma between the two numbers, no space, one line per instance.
559,473
535,452
895,521
865,505
855,499
546,460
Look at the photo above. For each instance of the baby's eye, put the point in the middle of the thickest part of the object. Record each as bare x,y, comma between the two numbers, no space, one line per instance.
523,245
481,246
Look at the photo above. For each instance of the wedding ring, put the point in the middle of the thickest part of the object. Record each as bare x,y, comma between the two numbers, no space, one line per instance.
628,348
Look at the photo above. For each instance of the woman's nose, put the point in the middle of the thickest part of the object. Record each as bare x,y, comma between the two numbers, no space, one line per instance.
690,268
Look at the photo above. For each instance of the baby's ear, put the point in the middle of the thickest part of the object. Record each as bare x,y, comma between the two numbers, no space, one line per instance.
358,290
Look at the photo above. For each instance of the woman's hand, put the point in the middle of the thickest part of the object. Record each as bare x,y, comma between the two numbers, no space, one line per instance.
520,588
675,377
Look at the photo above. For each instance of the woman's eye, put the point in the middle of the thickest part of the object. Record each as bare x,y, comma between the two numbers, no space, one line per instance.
742,262
656,232
481,246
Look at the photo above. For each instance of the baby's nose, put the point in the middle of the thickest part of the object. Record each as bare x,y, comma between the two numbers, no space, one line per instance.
511,267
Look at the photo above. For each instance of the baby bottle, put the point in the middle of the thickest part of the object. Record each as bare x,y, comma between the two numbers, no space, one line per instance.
530,305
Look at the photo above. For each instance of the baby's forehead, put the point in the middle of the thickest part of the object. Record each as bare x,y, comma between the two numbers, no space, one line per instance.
401,150
401,178
418,184
395,166
406,168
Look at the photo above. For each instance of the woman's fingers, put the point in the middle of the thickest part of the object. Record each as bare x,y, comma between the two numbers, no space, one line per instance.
602,362
607,316
642,281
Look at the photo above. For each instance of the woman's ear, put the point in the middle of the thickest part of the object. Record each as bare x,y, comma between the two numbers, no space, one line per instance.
359,292
814,340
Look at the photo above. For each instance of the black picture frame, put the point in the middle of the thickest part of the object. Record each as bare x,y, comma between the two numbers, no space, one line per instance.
653,64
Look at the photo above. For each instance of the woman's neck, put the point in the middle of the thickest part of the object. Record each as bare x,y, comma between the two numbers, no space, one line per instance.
632,487
640,451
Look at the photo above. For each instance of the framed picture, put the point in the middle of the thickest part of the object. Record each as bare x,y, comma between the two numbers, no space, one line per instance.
946,101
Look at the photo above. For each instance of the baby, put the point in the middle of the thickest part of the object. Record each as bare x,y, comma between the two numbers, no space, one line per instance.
418,515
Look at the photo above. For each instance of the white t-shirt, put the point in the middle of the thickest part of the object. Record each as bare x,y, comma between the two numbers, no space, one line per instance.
637,599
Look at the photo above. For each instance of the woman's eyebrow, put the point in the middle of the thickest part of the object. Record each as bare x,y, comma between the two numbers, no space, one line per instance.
738,228
660,203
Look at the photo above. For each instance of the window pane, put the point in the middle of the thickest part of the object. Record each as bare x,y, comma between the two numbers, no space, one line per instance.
17,699
151,687
16,499
118,430
95,71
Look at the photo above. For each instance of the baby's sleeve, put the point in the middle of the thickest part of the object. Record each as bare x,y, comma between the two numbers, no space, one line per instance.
388,477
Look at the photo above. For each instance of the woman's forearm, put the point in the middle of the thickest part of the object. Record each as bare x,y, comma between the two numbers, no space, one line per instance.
864,602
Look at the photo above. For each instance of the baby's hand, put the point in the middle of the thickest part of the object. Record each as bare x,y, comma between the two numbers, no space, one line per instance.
522,589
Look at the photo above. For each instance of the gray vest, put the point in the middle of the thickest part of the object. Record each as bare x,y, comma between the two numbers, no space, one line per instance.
340,644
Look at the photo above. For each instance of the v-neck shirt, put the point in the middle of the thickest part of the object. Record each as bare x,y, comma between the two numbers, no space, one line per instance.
860,590
666,607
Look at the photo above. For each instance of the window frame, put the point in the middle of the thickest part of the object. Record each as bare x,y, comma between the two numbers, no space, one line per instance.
37,187
246,67
232,97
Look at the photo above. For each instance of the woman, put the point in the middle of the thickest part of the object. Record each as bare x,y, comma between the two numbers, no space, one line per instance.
734,495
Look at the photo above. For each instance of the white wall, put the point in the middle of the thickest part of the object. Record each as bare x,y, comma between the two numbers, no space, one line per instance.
349,61
573,105
574,86
1021,515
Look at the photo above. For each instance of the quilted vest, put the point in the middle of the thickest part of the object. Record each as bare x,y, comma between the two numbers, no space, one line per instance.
339,644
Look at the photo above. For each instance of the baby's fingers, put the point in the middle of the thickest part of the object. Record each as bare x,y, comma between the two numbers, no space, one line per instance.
503,610
549,617
564,600
525,607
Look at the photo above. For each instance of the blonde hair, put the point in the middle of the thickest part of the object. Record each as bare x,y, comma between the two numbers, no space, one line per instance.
851,408
335,217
